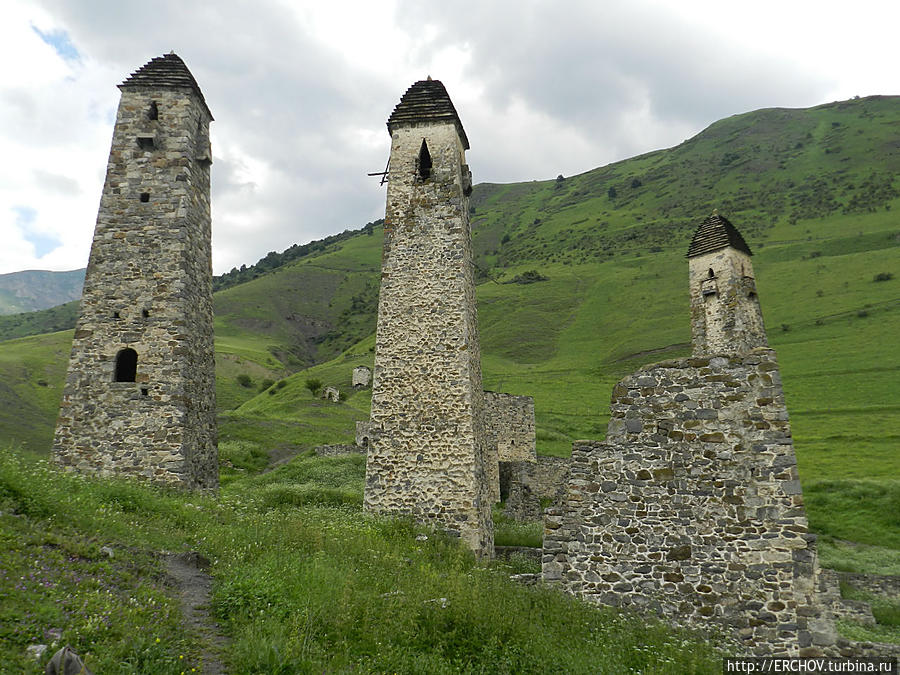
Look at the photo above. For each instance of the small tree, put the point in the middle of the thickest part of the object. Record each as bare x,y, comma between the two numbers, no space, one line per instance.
314,384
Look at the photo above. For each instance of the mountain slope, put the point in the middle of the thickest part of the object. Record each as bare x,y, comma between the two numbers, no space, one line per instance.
32,290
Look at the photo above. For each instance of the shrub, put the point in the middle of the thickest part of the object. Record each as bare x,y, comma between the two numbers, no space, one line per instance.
244,380
785,327
265,384
314,384
883,276
529,277
283,383
636,182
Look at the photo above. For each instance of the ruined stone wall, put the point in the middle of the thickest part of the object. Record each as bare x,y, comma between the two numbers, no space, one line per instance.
692,507
338,450
426,438
530,486
725,313
362,376
509,432
884,585
148,287
829,588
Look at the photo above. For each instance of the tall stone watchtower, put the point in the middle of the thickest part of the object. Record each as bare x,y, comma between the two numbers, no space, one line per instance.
725,313
426,435
139,397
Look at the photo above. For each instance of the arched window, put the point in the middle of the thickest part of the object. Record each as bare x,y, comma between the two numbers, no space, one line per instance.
126,365
712,274
424,163
153,112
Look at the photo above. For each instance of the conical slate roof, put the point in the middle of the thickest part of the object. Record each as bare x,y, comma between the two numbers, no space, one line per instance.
164,71
426,101
714,234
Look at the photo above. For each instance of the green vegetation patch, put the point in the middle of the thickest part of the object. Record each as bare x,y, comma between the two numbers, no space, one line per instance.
297,588
863,511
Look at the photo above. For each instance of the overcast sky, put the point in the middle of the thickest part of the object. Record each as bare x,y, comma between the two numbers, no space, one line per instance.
301,92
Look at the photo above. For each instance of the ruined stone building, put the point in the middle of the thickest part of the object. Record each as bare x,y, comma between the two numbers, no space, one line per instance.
692,508
362,376
139,398
509,428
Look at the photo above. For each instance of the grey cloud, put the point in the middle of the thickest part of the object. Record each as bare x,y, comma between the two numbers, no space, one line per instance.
592,63
56,182
282,97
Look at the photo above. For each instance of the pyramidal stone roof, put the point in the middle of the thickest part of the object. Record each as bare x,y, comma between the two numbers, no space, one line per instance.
167,71
426,101
714,234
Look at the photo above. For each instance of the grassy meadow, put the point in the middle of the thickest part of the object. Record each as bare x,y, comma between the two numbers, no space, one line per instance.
303,582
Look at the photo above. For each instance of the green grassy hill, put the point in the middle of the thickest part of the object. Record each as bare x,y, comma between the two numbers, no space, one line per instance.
813,191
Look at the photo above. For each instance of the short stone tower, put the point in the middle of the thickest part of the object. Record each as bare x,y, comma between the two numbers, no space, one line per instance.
426,436
725,313
692,507
139,397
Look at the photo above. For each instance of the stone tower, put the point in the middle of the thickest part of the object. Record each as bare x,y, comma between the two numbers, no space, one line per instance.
139,398
426,438
725,313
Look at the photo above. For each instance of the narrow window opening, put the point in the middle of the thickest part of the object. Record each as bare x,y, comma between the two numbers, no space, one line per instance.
116,315
153,112
424,162
145,391
711,273
145,313
751,295
126,365
145,196
146,142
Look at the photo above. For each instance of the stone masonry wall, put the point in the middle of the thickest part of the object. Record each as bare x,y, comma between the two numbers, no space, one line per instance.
426,438
527,486
148,287
509,431
338,450
692,507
